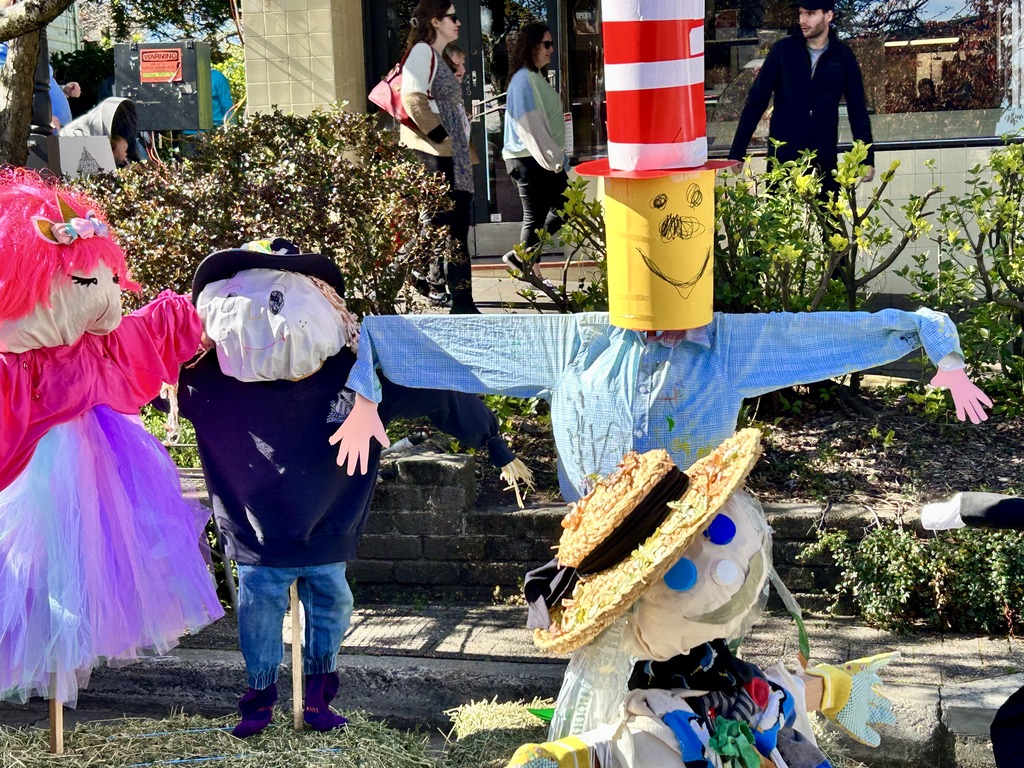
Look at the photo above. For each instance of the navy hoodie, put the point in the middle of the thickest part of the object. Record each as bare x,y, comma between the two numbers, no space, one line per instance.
278,494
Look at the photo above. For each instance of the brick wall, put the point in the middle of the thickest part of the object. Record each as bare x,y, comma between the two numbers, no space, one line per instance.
425,539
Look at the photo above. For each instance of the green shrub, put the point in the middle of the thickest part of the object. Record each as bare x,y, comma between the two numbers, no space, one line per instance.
778,247
330,182
979,270
966,580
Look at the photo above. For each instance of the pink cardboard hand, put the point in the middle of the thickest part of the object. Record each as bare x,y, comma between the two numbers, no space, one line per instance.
967,398
354,434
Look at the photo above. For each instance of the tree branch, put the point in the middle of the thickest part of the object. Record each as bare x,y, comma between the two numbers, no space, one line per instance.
895,253
28,16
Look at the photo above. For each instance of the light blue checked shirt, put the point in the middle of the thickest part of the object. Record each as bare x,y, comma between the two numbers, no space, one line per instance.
613,390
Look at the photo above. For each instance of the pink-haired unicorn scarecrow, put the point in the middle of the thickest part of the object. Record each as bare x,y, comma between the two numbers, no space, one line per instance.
100,557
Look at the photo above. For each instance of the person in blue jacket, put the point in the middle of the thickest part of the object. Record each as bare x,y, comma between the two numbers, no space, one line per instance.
263,408
60,108
808,75
220,90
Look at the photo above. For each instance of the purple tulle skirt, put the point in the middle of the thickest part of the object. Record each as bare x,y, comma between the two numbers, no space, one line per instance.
100,558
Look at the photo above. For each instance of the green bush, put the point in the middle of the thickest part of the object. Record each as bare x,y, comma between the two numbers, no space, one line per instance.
330,182
979,272
966,580
778,247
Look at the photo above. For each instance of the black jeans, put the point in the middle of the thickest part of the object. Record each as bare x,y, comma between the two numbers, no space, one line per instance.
456,273
540,192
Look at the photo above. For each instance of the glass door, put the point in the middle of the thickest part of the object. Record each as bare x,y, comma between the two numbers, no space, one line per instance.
488,30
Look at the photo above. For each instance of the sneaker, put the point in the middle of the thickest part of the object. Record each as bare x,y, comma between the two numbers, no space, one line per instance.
439,299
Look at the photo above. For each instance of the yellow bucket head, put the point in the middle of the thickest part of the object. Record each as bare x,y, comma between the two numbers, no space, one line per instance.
660,237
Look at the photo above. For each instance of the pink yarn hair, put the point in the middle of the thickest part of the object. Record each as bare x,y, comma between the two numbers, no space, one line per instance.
29,264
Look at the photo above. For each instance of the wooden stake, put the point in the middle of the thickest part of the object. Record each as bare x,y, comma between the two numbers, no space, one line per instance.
297,702
56,724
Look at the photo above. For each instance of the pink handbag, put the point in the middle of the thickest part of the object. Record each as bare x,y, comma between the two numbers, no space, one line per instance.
387,94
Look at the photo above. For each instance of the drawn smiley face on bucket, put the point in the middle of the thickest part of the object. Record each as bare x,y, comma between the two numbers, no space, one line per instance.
679,226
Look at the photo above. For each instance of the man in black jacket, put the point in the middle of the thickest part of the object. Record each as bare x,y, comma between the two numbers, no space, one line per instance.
808,74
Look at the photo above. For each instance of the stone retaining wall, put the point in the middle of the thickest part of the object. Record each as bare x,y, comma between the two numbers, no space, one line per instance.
425,539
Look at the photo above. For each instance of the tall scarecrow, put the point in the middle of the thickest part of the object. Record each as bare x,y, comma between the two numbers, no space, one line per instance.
660,371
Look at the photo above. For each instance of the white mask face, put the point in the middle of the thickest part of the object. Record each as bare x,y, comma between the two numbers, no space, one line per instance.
79,304
269,325
723,582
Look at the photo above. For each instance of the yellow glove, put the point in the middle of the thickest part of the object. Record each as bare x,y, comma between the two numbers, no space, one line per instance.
852,698
569,752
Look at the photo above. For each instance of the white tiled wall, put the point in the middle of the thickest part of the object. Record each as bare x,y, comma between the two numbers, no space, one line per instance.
914,177
300,54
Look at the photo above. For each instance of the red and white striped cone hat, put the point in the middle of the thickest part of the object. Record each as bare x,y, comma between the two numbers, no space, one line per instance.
654,80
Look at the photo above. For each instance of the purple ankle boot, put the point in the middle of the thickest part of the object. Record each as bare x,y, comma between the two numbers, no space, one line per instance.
257,708
320,691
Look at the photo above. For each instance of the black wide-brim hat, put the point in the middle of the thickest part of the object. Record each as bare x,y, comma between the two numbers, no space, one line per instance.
284,256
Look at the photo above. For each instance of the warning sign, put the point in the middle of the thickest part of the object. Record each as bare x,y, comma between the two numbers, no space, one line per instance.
160,65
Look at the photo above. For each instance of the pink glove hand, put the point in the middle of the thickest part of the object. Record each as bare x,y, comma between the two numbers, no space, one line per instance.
967,398
354,435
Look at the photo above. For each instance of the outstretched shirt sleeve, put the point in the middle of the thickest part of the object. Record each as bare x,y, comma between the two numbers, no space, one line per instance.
762,353
463,416
151,343
516,355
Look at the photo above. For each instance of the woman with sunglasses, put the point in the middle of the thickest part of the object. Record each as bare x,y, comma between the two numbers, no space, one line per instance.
534,150
433,99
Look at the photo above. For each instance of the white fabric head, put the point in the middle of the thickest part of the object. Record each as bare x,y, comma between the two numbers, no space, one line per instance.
79,304
270,325
730,582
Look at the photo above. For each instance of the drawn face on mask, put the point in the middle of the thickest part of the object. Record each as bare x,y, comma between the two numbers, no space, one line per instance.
269,325
79,304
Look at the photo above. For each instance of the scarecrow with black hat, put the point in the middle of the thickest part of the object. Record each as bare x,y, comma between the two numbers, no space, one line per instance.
264,406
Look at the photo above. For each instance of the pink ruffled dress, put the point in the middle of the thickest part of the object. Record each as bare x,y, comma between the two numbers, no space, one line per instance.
100,555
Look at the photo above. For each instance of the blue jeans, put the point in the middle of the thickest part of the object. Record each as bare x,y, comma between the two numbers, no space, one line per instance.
262,602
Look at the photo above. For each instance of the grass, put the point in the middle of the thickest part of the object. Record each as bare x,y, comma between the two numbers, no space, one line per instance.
183,740
484,735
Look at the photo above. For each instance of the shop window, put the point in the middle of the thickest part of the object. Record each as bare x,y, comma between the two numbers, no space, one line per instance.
930,73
